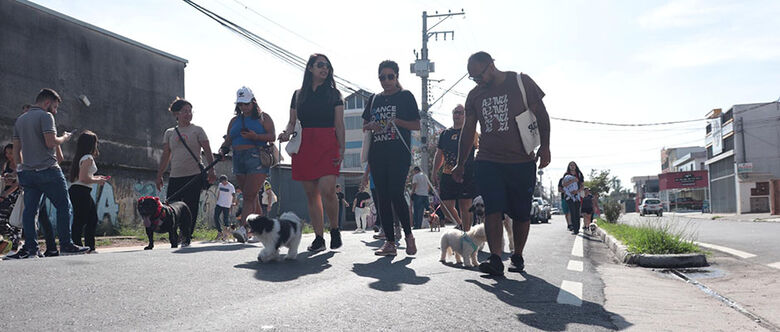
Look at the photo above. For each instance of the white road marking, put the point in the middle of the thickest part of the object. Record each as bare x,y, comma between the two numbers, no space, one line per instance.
577,249
775,265
570,293
735,252
575,266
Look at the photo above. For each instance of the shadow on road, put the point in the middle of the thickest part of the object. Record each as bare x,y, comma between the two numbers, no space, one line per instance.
222,247
374,244
306,263
540,298
390,275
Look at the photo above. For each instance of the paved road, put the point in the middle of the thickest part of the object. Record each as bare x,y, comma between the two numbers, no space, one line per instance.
222,286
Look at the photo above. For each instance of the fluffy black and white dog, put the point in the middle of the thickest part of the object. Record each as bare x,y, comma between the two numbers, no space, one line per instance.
274,233
163,217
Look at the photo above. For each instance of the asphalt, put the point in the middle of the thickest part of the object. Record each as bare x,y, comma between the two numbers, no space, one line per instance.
222,286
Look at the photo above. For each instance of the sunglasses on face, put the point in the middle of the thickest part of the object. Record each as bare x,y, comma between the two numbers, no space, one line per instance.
388,77
478,77
322,64
244,104
458,113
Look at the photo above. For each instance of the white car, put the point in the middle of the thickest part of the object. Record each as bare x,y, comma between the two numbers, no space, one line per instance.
651,206
540,210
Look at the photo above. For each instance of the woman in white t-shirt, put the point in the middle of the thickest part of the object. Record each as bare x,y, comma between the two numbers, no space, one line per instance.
82,176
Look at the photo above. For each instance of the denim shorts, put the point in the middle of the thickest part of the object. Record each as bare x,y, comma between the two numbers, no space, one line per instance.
507,188
248,162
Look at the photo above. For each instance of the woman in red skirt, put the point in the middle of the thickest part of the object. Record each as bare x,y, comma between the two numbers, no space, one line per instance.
319,108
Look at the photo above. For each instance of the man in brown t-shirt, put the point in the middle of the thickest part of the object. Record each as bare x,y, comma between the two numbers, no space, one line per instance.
505,173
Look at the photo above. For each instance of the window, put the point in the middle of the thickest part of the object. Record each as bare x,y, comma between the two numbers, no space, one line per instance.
353,122
354,145
352,160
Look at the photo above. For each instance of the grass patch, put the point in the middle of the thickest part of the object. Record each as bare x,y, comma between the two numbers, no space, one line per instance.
659,239
716,217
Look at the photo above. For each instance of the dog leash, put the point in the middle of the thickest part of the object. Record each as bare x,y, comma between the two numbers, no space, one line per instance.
430,184
465,238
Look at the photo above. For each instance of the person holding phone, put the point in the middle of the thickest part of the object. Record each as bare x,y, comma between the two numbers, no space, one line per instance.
82,176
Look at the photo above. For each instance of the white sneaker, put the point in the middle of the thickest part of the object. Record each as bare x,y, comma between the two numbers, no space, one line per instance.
253,239
240,234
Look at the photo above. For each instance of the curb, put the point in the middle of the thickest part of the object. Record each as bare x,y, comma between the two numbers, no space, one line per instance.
645,260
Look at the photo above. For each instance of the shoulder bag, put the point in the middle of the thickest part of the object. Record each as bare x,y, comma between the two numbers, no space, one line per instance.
526,123
204,178
368,136
294,144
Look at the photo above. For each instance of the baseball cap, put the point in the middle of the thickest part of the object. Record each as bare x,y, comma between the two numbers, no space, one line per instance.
244,95
223,177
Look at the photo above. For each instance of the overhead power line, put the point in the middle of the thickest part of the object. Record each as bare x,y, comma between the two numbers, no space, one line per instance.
626,124
275,50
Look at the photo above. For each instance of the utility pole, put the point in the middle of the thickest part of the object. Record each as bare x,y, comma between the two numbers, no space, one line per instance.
422,67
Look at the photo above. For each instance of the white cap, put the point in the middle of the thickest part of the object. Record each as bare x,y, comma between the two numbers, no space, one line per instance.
244,95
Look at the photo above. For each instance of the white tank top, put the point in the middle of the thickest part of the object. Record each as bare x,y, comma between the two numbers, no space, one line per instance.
90,172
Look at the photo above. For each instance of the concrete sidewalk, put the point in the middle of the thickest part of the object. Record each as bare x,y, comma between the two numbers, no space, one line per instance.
751,217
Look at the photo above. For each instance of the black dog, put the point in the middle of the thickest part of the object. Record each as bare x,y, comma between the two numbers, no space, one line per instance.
159,217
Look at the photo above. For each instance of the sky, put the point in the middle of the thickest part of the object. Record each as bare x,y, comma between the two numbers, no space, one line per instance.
606,61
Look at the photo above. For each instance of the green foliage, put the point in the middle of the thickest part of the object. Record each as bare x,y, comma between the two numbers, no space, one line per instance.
612,211
661,239
598,182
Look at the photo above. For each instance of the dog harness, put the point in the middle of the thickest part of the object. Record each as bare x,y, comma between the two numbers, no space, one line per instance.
159,215
468,240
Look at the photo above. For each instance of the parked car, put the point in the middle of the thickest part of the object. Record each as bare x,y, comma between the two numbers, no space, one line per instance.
540,210
651,206
685,203
555,211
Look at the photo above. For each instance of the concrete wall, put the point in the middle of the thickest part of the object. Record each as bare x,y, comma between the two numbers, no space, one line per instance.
761,137
129,85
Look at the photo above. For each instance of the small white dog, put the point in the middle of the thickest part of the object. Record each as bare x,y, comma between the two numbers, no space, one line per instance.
478,208
463,244
274,233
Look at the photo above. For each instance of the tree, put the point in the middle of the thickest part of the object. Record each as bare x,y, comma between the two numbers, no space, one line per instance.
599,182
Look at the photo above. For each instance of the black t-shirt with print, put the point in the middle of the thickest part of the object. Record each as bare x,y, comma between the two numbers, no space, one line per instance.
360,198
384,109
317,111
449,141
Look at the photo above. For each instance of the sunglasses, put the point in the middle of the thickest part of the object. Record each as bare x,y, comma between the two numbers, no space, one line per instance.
388,77
478,77
244,104
322,64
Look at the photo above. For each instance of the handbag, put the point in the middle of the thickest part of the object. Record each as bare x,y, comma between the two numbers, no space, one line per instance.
294,144
15,219
526,123
368,136
266,152
204,178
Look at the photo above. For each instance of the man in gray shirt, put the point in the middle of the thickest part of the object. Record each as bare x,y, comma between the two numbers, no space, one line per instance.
35,141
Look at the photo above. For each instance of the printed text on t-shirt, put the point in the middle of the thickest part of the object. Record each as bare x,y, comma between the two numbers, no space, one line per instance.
384,116
496,109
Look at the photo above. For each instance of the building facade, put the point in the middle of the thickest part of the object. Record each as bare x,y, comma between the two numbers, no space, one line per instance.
116,87
743,158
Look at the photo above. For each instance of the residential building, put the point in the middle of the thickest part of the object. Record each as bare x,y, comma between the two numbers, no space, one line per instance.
670,155
645,187
743,158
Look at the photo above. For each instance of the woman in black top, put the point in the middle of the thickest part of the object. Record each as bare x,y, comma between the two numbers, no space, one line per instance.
319,108
391,115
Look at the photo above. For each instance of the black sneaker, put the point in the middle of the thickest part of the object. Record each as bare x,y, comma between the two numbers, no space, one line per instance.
51,253
21,254
73,250
335,238
518,263
492,266
317,245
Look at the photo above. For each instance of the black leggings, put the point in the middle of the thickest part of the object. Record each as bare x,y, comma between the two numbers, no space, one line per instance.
84,215
389,182
190,196
574,214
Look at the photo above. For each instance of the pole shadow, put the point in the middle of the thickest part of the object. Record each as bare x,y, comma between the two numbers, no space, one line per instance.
287,270
389,275
540,298
222,247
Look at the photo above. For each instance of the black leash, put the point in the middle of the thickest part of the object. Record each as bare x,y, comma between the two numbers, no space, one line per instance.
217,158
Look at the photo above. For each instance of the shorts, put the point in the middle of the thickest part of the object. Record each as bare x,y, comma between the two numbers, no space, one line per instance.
248,162
449,189
587,211
507,187
564,206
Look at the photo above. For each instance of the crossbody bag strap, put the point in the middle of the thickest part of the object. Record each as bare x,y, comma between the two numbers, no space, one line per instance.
181,139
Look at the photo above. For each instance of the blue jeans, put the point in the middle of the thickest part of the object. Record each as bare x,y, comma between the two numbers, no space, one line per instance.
419,204
49,182
225,212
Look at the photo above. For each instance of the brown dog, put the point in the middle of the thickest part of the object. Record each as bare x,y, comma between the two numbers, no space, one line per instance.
433,221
